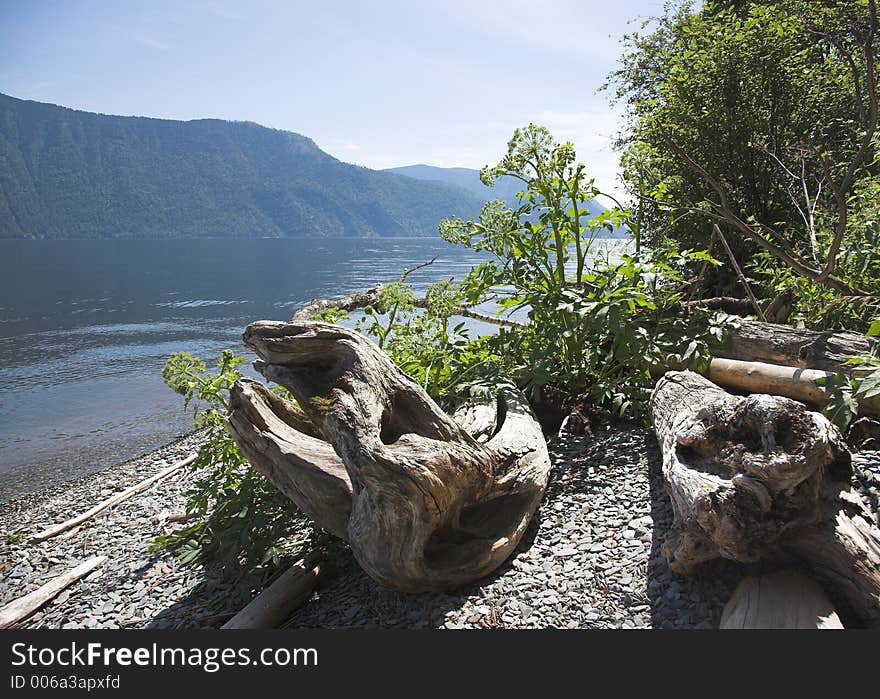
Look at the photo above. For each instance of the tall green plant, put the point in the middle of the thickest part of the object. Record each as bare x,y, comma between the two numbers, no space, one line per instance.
596,327
239,518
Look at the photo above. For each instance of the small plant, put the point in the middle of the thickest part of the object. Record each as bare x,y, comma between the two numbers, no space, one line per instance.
241,519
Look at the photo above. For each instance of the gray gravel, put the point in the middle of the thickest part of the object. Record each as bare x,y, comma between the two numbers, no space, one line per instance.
133,589
590,559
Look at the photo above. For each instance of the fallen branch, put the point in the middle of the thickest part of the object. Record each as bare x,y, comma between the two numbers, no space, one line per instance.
23,607
739,273
369,297
110,502
278,601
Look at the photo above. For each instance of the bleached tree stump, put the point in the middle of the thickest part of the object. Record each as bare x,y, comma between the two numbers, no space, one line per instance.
426,501
786,599
759,476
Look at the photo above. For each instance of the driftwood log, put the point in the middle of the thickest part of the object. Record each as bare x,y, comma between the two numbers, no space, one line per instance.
20,609
280,599
759,377
425,500
786,599
826,350
761,477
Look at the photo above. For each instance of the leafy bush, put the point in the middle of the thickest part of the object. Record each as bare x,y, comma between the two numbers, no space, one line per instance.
241,520
846,390
858,263
597,326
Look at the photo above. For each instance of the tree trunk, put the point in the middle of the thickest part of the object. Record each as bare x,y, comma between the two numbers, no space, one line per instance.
826,350
758,477
426,501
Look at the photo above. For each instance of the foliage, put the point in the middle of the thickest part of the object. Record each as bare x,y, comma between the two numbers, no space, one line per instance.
764,96
240,519
846,390
598,324
858,263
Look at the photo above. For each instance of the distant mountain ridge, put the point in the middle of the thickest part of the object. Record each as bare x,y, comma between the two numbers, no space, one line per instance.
505,188
72,174
468,179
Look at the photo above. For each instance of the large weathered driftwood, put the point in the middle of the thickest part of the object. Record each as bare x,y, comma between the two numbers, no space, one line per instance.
758,477
426,501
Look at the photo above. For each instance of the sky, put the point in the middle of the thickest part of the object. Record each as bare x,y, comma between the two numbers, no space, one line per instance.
378,83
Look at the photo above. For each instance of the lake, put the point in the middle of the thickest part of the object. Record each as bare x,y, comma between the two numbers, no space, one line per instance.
86,326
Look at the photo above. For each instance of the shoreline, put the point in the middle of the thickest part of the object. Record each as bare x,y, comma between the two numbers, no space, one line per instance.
133,588
590,558
15,492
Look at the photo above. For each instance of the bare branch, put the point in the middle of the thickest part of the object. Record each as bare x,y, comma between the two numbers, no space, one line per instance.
742,277
722,207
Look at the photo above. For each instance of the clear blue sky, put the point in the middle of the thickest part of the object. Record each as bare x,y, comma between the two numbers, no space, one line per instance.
378,83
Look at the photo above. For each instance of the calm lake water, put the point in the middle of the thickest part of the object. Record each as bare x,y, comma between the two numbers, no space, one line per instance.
86,326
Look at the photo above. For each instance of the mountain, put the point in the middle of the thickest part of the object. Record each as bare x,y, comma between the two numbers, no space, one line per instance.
505,188
71,174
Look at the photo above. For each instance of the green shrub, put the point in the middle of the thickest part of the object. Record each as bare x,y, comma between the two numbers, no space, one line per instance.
241,520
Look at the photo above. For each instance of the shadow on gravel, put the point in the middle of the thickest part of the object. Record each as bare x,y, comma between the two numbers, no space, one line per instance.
221,594
677,601
349,598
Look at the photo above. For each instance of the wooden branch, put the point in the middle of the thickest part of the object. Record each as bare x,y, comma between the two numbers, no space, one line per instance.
484,318
23,607
787,599
351,302
739,274
727,304
270,608
761,477
426,501
57,529
370,296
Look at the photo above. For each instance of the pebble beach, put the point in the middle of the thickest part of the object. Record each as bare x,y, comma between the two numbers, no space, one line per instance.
590,559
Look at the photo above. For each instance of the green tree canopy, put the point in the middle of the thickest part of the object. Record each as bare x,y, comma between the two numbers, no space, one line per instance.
768,102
